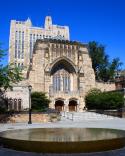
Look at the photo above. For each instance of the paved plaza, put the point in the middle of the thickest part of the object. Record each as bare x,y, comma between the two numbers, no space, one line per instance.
76,120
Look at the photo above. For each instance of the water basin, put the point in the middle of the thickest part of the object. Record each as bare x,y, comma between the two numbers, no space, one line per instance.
63,140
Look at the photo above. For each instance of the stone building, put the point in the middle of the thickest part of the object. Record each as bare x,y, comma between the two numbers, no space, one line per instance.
120,82
63,69
18,98
57,66
23,36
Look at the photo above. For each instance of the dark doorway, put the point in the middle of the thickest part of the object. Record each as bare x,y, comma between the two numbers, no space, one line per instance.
72,106
59,105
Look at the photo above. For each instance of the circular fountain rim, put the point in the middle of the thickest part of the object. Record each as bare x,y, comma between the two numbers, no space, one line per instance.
68,147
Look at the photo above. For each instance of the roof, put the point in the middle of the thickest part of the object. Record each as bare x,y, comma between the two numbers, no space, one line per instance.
60,40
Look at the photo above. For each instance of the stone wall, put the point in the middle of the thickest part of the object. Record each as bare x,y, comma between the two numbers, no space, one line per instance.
105,86
19,92
24,118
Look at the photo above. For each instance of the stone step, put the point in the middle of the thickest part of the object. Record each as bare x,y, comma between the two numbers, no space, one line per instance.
81,116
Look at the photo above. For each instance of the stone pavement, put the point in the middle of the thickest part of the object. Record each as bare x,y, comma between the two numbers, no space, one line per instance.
81,116
79,120
8,152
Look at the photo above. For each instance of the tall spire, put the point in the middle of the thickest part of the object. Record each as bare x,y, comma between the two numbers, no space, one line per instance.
48,22
28,22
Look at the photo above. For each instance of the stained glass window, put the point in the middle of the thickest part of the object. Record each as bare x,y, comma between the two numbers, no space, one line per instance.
61,80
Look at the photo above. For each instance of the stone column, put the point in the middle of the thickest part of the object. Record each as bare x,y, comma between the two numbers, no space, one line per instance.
52,104
81,104
61,83
66,103
71,82
77,105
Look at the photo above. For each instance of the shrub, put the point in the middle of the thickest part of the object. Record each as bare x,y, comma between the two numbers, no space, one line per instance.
3,105
39,101
96,99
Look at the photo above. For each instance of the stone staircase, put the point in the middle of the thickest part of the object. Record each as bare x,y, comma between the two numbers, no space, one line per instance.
82,116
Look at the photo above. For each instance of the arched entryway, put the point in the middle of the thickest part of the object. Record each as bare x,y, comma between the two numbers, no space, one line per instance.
72,106
59,105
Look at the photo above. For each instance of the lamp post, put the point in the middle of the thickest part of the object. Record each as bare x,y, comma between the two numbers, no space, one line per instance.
124,96
30,88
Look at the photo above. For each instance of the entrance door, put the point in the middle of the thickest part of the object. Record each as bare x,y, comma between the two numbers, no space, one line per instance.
72,106
59,105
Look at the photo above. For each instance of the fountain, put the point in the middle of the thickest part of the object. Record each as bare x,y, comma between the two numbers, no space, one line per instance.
63,140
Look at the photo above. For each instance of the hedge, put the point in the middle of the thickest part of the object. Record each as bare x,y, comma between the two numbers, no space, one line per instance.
96,99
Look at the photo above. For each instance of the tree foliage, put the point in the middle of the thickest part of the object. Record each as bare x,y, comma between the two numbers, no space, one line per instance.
96,99
9,74
104,68
39,101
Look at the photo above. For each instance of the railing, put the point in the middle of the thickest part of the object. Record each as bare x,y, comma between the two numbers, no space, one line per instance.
68,115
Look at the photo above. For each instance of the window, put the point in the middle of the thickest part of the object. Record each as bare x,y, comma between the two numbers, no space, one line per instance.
15,51
16,35
15,104
30,37
10,104
22,55
19,65
61,80
19,104
19,35
16,44
18,54
33,35
23,36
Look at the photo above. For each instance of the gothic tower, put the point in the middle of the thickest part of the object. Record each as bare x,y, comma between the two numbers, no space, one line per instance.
48,22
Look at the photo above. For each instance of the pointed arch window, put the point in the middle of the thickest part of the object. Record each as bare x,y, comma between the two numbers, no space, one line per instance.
61,80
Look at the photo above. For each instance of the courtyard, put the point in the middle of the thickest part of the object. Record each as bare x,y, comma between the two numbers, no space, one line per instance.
87,120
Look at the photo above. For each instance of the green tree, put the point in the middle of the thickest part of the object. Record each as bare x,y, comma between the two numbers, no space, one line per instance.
40,101
114,67
104,68
96,99
9,74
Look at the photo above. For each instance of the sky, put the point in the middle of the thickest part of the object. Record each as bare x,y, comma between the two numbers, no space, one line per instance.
88,20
